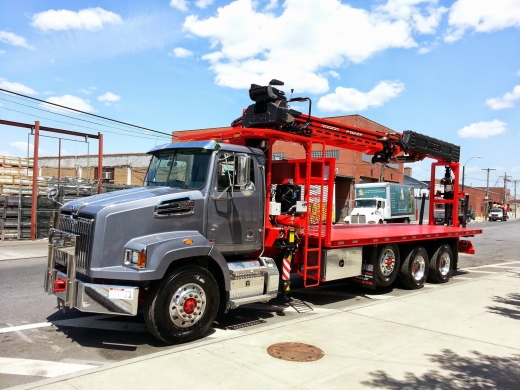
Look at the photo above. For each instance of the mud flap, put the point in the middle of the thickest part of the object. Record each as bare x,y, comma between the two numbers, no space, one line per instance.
367,278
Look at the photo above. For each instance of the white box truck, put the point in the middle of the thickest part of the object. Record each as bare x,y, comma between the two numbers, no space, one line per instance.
382,202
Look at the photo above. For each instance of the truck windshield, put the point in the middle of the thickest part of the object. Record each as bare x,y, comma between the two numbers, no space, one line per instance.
496,211
178,168
364,203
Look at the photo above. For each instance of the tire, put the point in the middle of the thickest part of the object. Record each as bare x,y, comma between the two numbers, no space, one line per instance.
182,306
440,264
414,270
406,220
387,265
380,221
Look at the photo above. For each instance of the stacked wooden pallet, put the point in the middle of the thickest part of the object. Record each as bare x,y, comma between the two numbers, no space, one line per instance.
16,172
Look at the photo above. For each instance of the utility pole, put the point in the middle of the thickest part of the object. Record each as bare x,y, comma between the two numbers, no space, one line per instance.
516,202
487,188
506,179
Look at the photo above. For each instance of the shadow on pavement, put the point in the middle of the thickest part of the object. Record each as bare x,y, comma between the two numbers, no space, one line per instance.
478,371
511,308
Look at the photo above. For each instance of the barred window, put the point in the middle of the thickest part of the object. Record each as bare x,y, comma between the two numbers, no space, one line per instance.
333,153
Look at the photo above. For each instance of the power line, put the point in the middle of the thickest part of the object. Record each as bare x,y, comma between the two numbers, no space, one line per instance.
82,112
68,116
72,124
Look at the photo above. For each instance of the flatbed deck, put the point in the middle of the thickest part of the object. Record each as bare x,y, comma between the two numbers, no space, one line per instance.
354,235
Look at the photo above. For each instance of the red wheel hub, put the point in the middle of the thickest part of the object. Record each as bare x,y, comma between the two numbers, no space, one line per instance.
389,262
190,305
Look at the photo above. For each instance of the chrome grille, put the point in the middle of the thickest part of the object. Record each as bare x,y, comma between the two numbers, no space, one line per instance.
82,227
358,218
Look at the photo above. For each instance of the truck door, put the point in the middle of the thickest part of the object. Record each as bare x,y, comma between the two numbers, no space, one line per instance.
234,220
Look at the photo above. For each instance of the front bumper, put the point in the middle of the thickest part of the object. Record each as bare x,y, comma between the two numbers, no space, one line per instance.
86,297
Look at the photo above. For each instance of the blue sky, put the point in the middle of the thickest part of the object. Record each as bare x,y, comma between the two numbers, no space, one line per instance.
449,69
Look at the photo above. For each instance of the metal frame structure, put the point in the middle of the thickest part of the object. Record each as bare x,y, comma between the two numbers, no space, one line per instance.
36,128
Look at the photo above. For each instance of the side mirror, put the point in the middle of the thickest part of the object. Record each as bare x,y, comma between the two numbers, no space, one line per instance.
52,194
248,189
243,169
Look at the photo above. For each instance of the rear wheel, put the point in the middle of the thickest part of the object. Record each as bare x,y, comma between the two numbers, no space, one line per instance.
182,306
387,265
414,269
406,220
440,264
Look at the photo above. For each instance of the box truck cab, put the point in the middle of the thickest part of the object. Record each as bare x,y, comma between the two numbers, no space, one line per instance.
382,202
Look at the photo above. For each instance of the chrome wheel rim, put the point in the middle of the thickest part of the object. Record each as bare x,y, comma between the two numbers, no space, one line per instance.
418,267
444,264
387,262
187,305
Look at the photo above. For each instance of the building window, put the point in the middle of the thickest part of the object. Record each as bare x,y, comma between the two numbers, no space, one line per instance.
278,156
333,153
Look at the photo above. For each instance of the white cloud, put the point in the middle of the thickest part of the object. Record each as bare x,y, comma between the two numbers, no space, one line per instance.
334,74
2,52
85,19
13,39
424,20
289,48
350,99
203,3
22,146
481,16
483,129
109,97
181,52
68,101
181,5
16,87
506,101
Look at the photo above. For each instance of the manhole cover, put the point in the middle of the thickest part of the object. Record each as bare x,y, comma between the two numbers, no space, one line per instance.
295,352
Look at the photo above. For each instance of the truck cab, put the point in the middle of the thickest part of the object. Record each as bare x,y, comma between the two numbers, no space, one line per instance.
178,246
497,214
372,211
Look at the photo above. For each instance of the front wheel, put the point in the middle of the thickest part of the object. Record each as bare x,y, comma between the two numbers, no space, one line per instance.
182,306
406,220
414,269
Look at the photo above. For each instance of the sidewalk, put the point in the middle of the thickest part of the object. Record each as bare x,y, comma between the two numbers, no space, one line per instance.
463,335
25,249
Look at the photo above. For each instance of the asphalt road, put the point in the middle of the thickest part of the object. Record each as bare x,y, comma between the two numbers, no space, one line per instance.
38,341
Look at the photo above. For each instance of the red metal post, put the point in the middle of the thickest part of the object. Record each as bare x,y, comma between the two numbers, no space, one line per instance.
35,179
100,162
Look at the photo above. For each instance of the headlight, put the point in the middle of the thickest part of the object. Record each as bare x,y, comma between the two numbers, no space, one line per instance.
135,258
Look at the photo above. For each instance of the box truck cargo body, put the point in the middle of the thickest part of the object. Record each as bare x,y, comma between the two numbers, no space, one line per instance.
382,202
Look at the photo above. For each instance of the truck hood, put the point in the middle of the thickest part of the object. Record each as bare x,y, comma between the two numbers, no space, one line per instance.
93,204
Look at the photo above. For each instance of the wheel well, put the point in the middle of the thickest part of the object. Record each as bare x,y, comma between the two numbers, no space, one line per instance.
212,266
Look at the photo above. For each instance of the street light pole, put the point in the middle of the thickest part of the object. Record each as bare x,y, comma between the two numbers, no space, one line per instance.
464,169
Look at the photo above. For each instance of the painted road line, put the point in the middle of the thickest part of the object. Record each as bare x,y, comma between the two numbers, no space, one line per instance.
493,265
378,297
480,272
24,327
41,368
91,322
